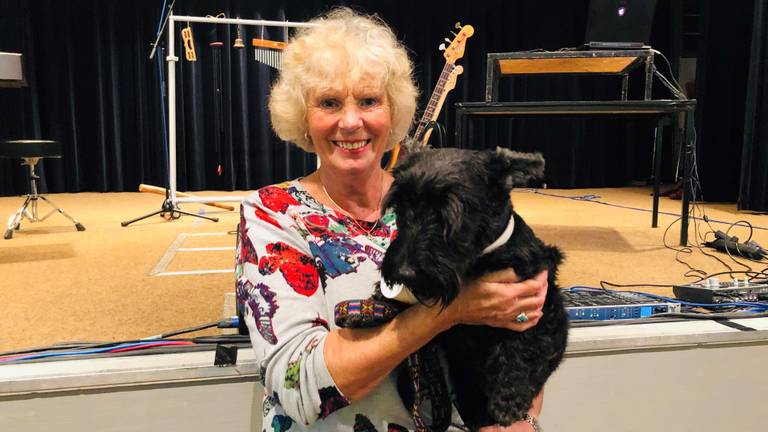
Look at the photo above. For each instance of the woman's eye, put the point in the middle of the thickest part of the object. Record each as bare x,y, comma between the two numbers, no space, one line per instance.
369,102
329,103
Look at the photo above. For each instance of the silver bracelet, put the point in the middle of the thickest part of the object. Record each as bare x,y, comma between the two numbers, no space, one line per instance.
531,420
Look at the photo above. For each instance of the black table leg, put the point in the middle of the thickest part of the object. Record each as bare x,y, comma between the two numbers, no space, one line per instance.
687,162
657,149
458,133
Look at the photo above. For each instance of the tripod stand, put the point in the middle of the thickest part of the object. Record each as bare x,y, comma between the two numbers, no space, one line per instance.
31,151
168,207
171,209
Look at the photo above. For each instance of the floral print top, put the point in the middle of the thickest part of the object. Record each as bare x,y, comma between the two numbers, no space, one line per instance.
297,259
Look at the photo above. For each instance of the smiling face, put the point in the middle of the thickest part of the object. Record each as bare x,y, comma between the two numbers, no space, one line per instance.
349,126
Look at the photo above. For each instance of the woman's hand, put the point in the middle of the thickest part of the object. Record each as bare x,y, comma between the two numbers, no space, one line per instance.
498,298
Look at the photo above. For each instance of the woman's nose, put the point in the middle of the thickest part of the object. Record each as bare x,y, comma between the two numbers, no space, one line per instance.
350,118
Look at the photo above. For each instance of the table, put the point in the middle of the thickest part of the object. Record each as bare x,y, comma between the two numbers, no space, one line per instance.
656,108
569,62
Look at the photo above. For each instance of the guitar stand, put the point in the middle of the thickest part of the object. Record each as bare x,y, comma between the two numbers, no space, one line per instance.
172,210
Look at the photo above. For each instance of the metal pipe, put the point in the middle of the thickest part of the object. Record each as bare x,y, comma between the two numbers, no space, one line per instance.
240,21
172,59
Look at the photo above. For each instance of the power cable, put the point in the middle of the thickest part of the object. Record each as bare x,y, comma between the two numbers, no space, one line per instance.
161,340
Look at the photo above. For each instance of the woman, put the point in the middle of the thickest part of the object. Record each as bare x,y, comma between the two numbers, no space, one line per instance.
346,93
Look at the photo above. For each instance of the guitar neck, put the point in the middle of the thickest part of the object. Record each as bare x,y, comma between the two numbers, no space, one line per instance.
446,83
433,107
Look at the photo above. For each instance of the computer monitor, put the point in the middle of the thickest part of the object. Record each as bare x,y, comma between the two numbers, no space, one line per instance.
619,24
11,70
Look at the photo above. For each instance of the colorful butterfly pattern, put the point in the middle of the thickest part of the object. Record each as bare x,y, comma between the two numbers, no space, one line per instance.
297,268
295,245
263,306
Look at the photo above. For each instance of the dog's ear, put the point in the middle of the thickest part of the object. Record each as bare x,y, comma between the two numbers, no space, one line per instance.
515,168
452,211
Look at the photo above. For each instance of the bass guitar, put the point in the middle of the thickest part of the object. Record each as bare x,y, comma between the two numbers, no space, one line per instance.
447,82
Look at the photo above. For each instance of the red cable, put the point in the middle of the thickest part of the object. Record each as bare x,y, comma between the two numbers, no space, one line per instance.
131,348
8,358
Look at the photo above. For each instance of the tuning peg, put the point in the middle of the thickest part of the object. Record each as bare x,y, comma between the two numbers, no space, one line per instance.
441,47
447,40
457,25
455,34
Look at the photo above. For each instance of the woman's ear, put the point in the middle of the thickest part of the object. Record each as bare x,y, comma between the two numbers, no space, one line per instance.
514,168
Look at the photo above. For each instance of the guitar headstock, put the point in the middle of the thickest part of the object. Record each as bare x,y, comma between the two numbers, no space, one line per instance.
455,50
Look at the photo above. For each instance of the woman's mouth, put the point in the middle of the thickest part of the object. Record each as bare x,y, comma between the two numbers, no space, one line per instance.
351,146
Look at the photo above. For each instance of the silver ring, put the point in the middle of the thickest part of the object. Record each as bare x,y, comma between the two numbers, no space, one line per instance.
521,317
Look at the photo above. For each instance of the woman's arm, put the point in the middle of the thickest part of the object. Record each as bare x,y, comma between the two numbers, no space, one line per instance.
359,359
312,368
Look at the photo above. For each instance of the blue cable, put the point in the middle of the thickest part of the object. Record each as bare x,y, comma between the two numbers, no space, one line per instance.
673,300
162,17
163,113
161,79
231,322
83,352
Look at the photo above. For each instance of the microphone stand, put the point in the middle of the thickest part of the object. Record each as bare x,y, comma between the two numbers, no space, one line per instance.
168,207
160,30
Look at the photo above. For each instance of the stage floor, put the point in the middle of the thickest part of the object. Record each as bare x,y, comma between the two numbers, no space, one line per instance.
112,283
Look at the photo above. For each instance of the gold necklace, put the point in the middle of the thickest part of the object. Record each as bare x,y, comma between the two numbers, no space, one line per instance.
349,215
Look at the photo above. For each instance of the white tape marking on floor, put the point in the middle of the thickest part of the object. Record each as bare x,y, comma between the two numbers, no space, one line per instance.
200,249
175,247
194,272
168,255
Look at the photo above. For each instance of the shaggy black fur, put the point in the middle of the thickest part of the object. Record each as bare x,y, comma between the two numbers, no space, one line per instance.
451,204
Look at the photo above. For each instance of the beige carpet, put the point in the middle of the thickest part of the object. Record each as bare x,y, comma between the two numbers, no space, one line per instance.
112,283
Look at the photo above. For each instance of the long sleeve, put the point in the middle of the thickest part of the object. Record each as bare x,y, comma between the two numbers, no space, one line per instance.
282,289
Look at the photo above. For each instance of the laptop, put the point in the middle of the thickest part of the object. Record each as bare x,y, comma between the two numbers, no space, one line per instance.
619,24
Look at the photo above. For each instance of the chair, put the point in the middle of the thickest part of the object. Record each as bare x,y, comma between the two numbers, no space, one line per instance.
31,151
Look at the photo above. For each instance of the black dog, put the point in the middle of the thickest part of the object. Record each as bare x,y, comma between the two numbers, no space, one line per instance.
450,205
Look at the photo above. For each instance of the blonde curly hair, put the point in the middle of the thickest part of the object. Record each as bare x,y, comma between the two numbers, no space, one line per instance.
342,49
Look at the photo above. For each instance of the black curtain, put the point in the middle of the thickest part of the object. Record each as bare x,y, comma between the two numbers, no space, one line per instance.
93,88
90,87
753,191
721,91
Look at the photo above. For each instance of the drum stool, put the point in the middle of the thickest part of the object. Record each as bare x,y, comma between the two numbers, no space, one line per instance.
31,151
